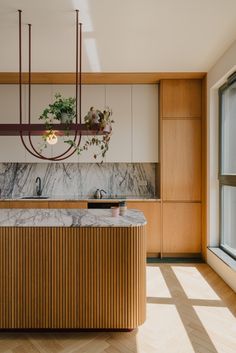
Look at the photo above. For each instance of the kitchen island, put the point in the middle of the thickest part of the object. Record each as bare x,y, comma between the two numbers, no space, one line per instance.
72,269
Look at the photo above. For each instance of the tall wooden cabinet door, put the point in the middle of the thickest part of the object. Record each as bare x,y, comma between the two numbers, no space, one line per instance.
181,228
181,98
181,160
25,290
152,212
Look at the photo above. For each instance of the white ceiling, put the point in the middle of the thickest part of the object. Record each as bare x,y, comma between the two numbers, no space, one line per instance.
120,35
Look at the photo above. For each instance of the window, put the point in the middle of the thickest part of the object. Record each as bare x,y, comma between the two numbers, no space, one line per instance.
227,166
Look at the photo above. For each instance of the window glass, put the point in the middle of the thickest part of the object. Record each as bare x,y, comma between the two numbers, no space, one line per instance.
228,219
227,172
228,131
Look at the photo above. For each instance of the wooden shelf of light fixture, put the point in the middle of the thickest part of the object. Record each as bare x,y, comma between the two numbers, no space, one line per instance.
97,77
39,129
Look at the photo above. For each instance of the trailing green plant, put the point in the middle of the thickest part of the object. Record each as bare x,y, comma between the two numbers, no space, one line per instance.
58,108
63,110
102,142
95,119
100,121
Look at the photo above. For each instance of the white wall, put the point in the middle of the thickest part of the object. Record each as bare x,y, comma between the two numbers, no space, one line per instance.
225,66
224,271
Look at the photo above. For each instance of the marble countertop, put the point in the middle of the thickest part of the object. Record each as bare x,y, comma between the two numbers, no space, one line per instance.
117,198
69,218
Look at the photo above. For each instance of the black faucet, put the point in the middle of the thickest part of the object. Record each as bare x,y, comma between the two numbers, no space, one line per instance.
38,187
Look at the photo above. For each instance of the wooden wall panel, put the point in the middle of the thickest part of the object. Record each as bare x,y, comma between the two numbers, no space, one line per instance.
181,99
152,212
25,291
98,278
181,168
72,277
181,228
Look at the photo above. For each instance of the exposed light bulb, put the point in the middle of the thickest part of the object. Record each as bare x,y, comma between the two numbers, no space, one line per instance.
52,138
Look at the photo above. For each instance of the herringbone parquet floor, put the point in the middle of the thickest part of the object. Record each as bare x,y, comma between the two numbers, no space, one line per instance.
189,310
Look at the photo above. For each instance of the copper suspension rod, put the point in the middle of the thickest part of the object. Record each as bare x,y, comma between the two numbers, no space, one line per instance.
20,68
64,155
80,71
29,84
76,66
37,154
20,83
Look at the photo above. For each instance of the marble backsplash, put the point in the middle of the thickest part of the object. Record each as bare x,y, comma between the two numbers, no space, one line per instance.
78,180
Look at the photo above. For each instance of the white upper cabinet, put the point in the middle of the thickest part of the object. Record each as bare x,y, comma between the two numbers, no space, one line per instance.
135,112
92,96
145,123
41,96
118,98
11,148
135,131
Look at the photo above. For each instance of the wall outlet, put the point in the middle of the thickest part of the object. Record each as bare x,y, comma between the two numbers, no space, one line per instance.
143,183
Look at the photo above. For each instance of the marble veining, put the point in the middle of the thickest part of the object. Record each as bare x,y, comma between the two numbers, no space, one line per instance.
69,218
78,179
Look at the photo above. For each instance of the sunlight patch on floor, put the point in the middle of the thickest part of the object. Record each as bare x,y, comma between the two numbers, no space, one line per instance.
156,285
193,283
220,325
163,331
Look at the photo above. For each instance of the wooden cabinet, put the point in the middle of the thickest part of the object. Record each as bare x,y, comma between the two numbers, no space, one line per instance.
4,204
181,168
43,204
181,99
28,204
152,212
67,204
181,228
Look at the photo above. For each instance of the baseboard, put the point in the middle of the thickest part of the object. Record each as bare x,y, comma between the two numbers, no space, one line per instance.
176,258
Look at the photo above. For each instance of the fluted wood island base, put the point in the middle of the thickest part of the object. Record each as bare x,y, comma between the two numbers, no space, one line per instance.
73,276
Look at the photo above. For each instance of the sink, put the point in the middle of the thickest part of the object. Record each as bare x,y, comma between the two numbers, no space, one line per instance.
34,197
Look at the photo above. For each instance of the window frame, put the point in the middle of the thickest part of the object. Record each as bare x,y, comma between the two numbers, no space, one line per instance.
224,179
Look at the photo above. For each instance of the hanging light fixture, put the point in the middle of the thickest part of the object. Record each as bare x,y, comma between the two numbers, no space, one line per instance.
51,132
52,136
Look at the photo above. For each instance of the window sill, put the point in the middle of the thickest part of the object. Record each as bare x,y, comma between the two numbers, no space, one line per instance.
228,260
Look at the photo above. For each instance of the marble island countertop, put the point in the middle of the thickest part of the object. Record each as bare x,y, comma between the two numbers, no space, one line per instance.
69,218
